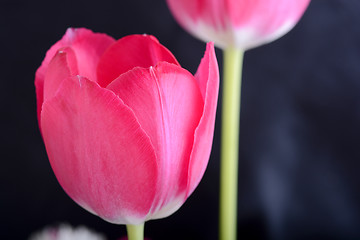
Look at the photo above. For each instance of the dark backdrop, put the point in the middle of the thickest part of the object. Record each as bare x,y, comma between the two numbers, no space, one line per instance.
300,124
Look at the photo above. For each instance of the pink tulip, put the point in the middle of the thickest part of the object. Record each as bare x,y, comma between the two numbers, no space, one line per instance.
242,24
128,131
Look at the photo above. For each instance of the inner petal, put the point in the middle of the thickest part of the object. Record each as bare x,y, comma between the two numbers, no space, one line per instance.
129,52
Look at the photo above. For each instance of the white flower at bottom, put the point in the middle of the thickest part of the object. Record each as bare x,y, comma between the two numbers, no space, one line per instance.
66,232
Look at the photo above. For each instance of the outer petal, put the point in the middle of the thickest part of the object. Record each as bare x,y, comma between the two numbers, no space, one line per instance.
87,46
168,104
62,66
190,12
207,76
258,22
205,19
100,155
129,52
186,12
265,15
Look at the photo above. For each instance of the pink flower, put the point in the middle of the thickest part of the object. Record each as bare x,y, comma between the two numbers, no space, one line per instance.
128,131
238,23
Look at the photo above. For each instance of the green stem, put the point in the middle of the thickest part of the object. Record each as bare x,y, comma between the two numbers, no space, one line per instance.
135,232
233,59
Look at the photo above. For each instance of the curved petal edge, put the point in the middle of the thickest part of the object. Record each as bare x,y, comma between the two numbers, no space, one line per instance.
207,76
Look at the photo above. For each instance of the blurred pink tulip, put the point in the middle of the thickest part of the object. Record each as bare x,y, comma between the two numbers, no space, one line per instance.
128,131
242,24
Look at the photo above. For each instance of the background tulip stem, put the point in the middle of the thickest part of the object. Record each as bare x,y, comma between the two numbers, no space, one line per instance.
233,61
135,232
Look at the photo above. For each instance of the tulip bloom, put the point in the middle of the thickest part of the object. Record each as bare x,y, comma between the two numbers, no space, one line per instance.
235,26
128,131
240,24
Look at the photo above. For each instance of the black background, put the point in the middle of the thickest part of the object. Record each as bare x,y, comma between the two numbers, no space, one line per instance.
300,124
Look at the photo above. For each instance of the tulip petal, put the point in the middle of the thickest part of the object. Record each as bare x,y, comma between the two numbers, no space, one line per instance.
100,155
265,16
87,46
207,76
186,12
259,22
168,104
129,52
61,67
